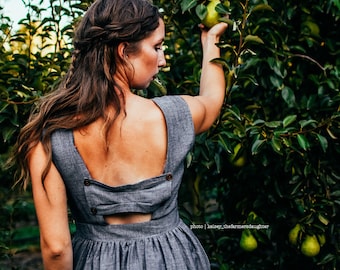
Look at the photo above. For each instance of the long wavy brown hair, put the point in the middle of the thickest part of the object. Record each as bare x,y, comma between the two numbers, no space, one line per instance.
88,89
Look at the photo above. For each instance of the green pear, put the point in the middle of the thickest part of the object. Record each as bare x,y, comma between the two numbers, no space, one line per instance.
310,246
212,16
248,241
322,239
238,159
294,234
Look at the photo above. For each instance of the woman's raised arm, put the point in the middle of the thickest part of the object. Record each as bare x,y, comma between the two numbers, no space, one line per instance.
206,107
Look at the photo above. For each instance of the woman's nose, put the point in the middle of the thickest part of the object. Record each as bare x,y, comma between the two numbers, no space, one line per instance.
162,61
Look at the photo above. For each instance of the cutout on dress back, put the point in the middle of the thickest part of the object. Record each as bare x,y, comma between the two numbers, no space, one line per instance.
127,218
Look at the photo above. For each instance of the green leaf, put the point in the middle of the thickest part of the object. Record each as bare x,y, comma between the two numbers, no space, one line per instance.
303,142
329,257
226,20
287,142
235,111
273,124
276,144
221,61
335,193
225,144
261,7
157,86
304,123
217,158
288,96
259,122
189,159
323,142
307,170
201,11
256,146
222,240
277,188
279,69
297,188
222,9
188,4
323,220
7,133
3,107
253,39
288,120
276,81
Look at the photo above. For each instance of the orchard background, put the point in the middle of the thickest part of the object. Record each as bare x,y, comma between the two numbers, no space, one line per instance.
272,157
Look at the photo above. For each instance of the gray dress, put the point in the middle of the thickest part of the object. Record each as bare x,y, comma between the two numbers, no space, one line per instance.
164,242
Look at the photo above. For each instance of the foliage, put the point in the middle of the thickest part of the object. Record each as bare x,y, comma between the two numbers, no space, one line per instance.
281,114
271,157
32,60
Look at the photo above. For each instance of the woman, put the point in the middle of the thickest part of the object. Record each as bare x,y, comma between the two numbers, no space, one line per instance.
114,157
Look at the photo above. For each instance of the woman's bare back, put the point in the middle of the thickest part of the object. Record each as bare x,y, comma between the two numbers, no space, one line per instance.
135,150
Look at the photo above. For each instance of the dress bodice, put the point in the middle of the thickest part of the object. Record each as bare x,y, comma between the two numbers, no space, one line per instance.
91,200
164,242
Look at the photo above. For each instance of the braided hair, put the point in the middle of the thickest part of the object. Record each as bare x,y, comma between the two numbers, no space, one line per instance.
88,89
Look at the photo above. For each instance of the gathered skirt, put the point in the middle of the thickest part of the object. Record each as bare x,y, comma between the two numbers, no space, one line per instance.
139,246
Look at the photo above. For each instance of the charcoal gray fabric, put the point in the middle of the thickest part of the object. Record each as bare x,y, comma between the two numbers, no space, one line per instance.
164,242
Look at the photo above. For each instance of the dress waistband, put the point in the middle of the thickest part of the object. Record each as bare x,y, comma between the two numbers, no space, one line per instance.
127,231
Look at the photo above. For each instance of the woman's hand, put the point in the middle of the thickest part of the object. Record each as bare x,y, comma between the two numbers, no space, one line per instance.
214,32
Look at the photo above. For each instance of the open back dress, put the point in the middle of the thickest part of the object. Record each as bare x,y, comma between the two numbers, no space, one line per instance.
164,242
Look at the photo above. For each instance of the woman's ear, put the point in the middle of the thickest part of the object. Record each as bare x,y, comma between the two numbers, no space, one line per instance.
122,50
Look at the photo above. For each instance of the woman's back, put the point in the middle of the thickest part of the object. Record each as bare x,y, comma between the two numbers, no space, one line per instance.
135,149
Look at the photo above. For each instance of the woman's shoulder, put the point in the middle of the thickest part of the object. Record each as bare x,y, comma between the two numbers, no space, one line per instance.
171,99
177,112
174,104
